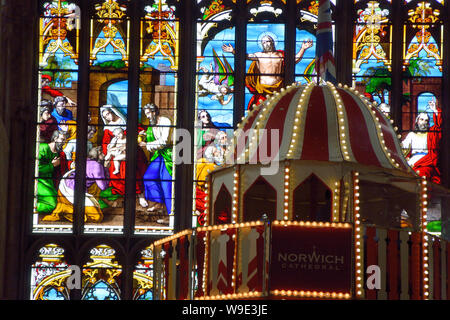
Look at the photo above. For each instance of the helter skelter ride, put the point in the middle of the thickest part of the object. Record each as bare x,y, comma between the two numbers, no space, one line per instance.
315,201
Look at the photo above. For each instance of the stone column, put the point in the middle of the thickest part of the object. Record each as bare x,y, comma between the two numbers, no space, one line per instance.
18,88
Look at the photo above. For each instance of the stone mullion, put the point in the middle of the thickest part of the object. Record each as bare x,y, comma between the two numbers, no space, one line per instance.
397,19
240,16
343,50
82,120
290,34
185,117
18,82
132,119
445,105
131,149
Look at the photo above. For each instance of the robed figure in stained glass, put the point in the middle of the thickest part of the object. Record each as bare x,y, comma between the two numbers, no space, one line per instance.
423,144
265,71
114,119
49,162
158,177
96,181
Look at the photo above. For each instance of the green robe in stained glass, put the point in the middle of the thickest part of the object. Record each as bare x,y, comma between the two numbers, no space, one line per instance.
46,190
166,152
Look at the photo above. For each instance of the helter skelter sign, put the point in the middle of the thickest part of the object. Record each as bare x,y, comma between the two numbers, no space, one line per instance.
310,259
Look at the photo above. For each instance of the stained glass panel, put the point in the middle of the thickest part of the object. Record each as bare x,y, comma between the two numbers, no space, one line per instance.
143,276
215,10
265,62
57,113
214,110
157,119
422,125
372,52
101,275
423,41
109,35
266,9
49,275
422,88
107,127
105,167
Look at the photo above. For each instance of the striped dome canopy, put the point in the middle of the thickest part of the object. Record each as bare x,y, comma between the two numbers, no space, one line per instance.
317,122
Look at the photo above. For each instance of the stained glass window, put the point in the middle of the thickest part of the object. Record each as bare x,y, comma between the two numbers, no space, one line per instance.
422,87
214,112
108,109
101,275
244,50
56,116
372,51
265,35
108,101
143,276
159,57
49,275
305,40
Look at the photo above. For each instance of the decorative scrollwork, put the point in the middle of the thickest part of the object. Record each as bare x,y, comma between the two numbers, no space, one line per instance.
162,26
369,34
423,17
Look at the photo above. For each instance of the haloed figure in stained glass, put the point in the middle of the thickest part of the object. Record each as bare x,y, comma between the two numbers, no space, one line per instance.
422,145
267,68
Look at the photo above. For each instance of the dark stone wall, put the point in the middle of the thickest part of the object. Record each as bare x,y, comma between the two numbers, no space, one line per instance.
17,112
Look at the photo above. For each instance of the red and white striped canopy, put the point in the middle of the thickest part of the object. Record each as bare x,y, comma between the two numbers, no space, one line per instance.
317,122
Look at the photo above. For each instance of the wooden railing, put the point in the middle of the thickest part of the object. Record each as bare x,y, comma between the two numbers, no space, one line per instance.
228,263
400,257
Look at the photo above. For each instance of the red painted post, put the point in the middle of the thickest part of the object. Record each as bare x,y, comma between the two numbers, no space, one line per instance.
415,266
183,256
436,269
393,264
200,258
448,270
371,256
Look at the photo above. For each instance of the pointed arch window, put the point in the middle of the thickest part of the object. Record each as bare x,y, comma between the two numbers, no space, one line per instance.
422,105
372,50
260,199
143,276
49,274
101,275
